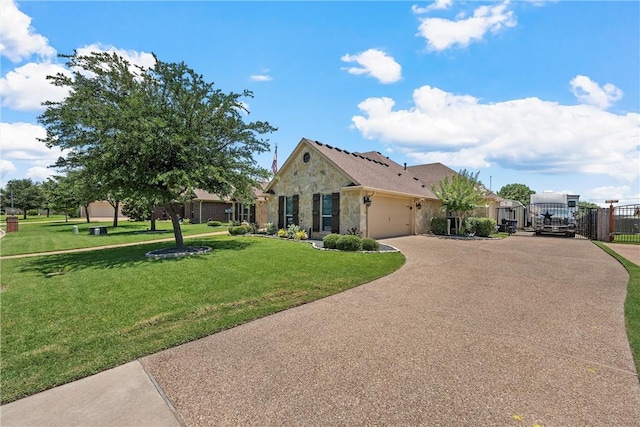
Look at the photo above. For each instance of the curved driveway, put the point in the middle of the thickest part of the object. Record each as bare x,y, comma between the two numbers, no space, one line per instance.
520,331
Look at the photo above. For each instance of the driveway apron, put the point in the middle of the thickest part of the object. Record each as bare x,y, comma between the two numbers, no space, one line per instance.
520,331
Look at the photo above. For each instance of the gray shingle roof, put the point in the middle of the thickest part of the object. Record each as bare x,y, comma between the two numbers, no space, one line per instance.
376,171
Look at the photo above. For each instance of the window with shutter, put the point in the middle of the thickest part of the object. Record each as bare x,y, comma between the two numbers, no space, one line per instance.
281,205
316,213
335,213
295,202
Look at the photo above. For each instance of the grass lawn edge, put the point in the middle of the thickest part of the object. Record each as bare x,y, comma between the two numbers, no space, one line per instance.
631,304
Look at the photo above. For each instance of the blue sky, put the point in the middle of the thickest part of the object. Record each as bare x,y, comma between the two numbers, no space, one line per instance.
543,93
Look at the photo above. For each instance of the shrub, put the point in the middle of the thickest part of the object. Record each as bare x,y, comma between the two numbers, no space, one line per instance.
282,233
214,223
292,231
349,243
238,230
330,241
271,228
483,227
252,228
301,235
369,244
439,226
353,231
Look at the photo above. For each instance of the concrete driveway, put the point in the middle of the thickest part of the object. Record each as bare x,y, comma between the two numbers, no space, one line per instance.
523,331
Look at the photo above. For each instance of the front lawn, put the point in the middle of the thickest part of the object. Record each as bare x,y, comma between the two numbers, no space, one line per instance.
37,237
67,316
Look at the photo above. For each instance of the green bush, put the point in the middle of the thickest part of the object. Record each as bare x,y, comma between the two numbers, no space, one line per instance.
482,227
439,226
369,244
238,230
349,243
330,241
292,231
271,228
214,223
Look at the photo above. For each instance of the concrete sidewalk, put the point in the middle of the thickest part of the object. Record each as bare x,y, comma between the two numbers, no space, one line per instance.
520,331
123,396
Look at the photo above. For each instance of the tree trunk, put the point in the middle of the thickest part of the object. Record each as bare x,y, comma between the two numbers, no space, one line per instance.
24,214
86,213
153,222
175,221
115,205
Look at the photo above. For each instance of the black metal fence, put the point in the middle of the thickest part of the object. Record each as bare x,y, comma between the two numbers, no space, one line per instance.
626,224
576,221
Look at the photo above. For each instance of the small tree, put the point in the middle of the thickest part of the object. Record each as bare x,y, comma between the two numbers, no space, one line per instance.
518,192
25,195
140,209
461,193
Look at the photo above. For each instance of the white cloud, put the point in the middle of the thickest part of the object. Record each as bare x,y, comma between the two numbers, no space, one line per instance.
436,5
6,168
261,78
20,142
26,87
39,173
524,134
18,39
375,63
143,59
610,192
589,92
442,34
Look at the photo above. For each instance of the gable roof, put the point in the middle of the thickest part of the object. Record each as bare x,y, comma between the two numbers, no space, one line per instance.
377,172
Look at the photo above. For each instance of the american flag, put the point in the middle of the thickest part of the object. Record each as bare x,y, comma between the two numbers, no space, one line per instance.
274,165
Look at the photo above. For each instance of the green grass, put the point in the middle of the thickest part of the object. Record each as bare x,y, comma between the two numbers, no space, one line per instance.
37,237
39,218
68,316
631,304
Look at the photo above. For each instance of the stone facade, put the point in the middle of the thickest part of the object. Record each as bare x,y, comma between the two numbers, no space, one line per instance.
304,179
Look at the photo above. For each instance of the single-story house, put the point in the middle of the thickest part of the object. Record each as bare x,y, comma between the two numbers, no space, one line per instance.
201,207
204,206
325,189
102,209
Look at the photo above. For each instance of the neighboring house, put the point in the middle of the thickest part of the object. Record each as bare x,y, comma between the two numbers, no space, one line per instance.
205,206
102,209
325,189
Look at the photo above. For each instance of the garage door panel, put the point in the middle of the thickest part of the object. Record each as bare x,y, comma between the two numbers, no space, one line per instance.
389,217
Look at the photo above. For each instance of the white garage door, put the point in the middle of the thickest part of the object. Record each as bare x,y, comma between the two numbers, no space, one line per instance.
389,217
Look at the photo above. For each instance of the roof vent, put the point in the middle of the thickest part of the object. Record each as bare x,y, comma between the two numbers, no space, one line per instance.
423,185
318,142
328,146
415,178
399,174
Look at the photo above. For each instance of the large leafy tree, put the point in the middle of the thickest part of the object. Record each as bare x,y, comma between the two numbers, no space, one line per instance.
460,193
518,192
25,195
154,133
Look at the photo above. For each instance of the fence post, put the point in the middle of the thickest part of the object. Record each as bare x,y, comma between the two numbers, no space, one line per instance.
611,219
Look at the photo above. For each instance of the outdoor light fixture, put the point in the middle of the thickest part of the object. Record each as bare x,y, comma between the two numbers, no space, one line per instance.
367,201
419,205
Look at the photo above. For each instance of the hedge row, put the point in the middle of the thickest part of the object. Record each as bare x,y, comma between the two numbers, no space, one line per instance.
482,227
349,243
